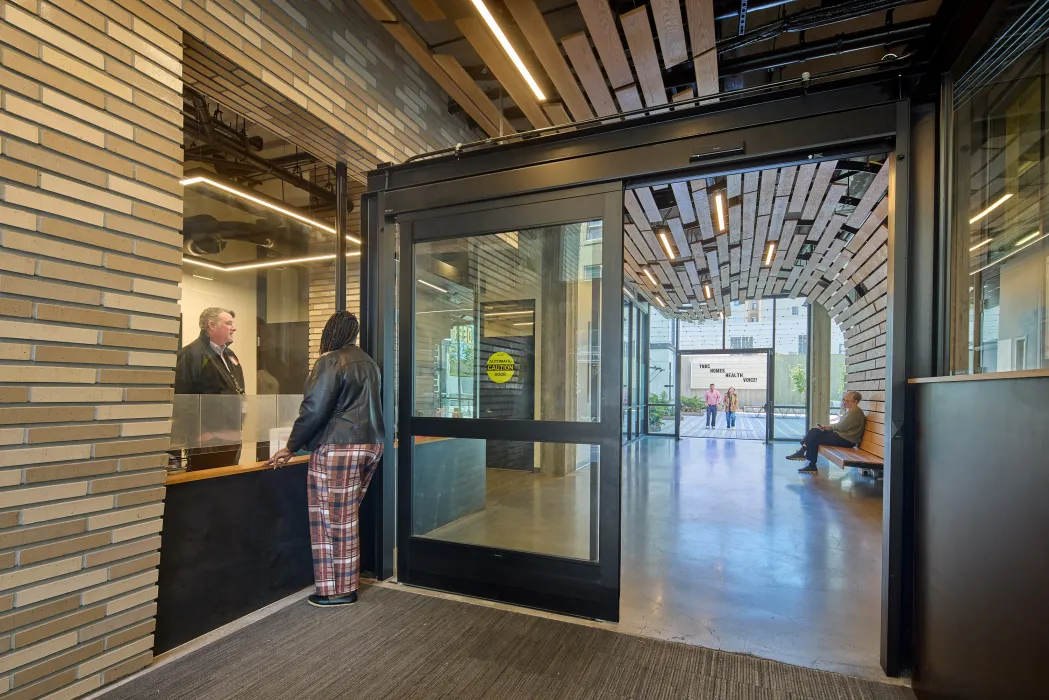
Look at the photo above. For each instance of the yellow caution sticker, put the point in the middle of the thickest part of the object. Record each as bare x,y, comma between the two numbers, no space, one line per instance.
500,367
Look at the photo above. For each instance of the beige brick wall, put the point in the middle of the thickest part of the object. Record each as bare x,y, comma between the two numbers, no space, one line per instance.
90,254
90,219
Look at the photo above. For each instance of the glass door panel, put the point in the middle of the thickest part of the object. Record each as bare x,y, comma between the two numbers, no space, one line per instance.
513,408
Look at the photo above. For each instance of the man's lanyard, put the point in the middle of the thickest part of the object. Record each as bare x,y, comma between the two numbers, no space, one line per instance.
225,364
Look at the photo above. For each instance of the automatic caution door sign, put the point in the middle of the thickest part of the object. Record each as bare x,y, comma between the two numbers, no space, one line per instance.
500,367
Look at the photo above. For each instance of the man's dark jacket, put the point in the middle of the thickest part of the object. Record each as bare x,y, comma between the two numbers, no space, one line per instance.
199,370
341,405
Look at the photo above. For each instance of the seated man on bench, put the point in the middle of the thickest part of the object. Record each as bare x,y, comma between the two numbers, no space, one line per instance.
847,432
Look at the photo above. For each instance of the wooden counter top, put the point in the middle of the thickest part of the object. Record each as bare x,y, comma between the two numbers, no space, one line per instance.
182,477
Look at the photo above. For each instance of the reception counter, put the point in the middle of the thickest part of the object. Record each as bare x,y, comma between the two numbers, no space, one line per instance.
237,538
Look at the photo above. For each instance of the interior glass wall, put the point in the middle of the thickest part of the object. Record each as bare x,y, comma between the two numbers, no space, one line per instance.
1000,236
635,377
791,358
662,373
838,369
258,284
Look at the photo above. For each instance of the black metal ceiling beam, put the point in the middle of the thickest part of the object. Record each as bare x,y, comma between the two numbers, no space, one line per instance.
810,19
684,74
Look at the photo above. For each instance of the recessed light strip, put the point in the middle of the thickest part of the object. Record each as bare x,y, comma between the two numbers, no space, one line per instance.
666,245
981,244
991,208
269,263
769,253
1027,239
442,290
719,204
660,301
648,274
1009,255
196,179
505,43
627,292
508,313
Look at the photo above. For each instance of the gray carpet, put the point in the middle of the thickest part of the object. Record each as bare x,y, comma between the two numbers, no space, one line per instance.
396,644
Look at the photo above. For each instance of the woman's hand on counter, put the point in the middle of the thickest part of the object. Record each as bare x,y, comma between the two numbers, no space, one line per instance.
280,458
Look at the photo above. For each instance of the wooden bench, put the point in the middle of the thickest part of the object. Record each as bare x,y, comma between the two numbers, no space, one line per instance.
867,455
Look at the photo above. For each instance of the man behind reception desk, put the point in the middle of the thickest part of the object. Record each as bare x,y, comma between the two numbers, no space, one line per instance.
208,367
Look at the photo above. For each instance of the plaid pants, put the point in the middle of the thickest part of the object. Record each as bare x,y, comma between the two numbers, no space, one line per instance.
336,481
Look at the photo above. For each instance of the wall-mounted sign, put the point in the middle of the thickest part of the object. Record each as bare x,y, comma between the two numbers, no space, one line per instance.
500,367
743,371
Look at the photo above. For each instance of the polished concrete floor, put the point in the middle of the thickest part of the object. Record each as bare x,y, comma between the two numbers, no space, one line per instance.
725,545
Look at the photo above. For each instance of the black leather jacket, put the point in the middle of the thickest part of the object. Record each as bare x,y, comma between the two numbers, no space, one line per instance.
341,405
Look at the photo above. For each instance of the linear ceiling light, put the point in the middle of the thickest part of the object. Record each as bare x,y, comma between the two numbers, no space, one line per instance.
490,20
660,301
269,263
627,292
981,244
1003,258
719,203
442,290
1028,238
197,179
768,254
991,208
648,274
706,291
508,313
525,323
665,240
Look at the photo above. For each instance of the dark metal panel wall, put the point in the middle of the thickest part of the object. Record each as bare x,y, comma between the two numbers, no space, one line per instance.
981,567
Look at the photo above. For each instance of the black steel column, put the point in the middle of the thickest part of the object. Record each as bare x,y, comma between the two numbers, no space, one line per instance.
341,194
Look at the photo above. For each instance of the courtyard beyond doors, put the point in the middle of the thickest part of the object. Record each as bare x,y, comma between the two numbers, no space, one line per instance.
706,407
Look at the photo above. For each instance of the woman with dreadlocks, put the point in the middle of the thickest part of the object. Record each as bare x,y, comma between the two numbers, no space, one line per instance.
340,421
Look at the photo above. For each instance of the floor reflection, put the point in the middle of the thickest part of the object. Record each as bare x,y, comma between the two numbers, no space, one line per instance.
726,545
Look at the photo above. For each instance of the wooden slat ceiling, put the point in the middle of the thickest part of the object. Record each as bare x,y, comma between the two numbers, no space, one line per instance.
598,57
827,221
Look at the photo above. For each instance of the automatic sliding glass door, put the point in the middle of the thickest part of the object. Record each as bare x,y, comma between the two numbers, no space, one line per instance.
511,408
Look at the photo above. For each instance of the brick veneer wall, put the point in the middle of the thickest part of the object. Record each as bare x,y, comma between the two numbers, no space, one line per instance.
90,252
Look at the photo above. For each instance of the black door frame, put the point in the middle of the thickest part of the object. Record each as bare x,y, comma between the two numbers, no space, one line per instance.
770,381
572,586
792,127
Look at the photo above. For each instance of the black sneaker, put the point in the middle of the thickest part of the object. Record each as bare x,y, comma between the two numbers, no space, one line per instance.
808,469
798,456
332,601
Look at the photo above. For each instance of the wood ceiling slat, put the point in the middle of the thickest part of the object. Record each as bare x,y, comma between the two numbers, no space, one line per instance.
712,263
734,186
680,241
643,54
682,95
820,183
684,202
703,209
779,212
577,46
801,189
555,111
768,192
735,224
536,31
734,254
504,71
629,98
693,275
671,31
648,203
417,49
473,91
428,10
602,25
722,243
750,181
786,181
703,41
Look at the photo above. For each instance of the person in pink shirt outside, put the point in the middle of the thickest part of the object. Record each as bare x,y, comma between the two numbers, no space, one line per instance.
713,399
